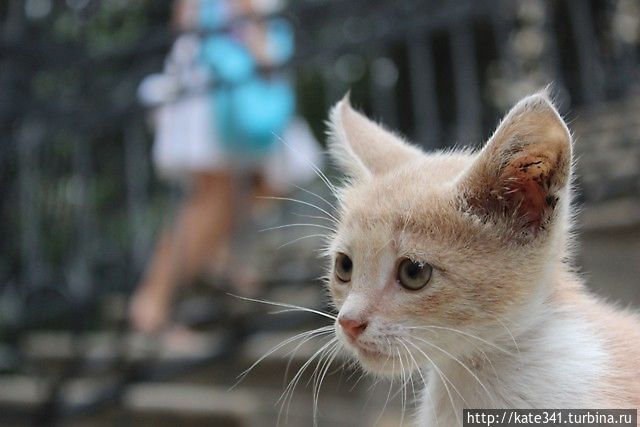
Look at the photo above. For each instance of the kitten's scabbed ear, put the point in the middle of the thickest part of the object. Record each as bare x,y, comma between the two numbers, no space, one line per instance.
363,148
524,168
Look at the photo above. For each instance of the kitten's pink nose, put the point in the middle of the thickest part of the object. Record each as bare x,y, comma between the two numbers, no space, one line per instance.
353,328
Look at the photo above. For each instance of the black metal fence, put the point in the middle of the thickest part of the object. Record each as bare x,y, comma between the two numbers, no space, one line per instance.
79,201
454,66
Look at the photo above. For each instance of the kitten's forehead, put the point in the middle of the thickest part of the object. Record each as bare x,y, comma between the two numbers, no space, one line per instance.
430,170
416,200
415,186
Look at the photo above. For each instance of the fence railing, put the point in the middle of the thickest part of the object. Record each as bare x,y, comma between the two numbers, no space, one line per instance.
455,65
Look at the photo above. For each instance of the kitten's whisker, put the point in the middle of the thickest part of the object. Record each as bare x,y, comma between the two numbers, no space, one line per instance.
323,374
290,389
356,370
278,227
341,370
316,169
444,379
323,218
324,352
301,238
353,365
424,382
314,375
289,199
291,306
331,205
508,331
425,328
461,364
489,343
285,310
484,355
370,390
292,353
362,375
400,389
412,381
413,360
401,378
406,377
384,365
403,386
386,402
283,397
309,334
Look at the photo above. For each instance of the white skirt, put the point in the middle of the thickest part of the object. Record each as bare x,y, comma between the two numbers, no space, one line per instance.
186,143
185,139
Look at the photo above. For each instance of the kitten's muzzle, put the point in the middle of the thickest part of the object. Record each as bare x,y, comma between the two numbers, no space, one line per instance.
352,328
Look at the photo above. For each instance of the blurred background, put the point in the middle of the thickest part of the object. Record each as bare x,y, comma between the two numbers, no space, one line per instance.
86,87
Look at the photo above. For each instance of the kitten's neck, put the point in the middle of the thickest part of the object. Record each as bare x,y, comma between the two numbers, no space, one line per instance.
552,353
558,289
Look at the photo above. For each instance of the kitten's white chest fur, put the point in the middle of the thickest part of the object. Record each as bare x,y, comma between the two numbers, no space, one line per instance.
560,364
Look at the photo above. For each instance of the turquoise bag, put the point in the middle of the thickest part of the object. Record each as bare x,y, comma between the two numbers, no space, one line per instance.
250,109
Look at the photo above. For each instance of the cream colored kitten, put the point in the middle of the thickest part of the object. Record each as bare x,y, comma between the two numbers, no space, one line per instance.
455,265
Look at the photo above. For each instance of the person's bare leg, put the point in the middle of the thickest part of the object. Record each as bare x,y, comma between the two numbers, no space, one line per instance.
207,223
203,226
246,278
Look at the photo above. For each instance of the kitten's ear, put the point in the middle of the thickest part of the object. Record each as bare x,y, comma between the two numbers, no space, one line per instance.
363,148
524,168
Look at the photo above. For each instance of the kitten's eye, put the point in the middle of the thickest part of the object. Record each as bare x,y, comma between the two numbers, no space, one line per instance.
413,275
343,267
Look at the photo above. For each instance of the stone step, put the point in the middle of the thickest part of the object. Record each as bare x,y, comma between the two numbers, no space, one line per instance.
250,407
178,345
169,404
30,390
51,352
22,390
198,404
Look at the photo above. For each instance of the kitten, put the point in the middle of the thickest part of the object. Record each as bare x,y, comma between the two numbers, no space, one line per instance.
456,266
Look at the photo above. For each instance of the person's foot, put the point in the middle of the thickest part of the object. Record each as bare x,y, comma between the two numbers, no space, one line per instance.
149,309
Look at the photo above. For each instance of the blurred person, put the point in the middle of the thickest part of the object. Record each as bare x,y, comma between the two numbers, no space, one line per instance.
219,131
